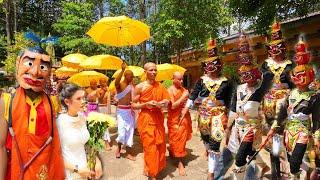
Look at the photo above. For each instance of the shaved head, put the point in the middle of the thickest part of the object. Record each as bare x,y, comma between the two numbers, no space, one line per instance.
128,75
176,75
148,65
150,69
177,79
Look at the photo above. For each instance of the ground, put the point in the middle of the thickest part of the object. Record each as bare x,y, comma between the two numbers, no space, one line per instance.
196,165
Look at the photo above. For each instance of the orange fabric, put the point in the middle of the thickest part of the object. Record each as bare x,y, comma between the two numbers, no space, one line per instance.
178,136
49,164
151,130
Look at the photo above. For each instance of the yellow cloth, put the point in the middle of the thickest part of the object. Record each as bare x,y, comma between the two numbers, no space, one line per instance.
33,113
33,105
6,99
56,104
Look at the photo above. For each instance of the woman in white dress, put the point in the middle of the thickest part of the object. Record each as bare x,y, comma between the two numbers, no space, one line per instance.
74,134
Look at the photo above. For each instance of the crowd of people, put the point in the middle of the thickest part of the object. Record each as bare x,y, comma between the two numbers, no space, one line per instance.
44,137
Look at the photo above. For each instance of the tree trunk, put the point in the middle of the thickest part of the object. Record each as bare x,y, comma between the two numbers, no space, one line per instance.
144,44
101,12
15,16
8,22
132,56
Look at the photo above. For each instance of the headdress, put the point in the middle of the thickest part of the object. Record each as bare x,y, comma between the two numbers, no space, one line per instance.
276,47
248,71
213,63
302,75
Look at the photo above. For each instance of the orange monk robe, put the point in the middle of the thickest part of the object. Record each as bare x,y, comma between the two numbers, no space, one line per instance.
178,135
151,130
49,163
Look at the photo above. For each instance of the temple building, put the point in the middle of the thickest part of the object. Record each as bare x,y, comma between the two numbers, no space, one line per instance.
308,27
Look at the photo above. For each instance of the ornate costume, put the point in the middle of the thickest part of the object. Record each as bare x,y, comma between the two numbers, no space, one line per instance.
215,97
280,67
32,143
300,113
245,107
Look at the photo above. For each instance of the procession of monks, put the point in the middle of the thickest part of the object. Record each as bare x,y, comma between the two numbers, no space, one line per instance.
286,97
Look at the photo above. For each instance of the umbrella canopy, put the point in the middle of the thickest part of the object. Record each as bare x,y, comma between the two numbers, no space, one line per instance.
83,78
119,31
106,62
137,71
73,60
166,71
65,71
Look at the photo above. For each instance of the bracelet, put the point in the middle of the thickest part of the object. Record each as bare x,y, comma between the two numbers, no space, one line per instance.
76,169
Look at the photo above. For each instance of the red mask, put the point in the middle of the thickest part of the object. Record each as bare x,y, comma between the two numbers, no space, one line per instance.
301,59
302,56
213,66
302,76
250,76
275,50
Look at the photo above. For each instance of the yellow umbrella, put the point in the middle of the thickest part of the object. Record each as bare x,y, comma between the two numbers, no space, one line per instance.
65,71
106,62
166,71
73,60
83,78
137,71
119,31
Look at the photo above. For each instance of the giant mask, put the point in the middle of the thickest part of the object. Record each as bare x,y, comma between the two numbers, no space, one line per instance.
277,48
249,74
302,76
245,55
214,66
33,69
213,63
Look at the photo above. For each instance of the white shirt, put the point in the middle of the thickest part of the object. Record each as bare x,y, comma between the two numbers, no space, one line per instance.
73,135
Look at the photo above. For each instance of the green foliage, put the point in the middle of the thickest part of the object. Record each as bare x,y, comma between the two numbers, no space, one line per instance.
3,50
230,71
72,26
37,16
181,24
13,51
263,12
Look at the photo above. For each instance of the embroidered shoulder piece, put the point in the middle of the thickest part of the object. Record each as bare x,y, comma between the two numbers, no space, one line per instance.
213,84
277,68
296,97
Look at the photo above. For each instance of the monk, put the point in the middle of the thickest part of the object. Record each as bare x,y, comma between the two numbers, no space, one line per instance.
150,96
92,91
125,113
29,140
180,128
102,96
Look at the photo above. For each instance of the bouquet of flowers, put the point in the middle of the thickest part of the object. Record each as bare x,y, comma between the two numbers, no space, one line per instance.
97,125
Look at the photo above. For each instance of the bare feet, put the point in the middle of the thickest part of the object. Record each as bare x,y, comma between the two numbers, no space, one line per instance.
118,155
182,171
123,149
131,157
264,170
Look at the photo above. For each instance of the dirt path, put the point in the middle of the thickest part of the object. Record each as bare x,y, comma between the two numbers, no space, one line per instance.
196,165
